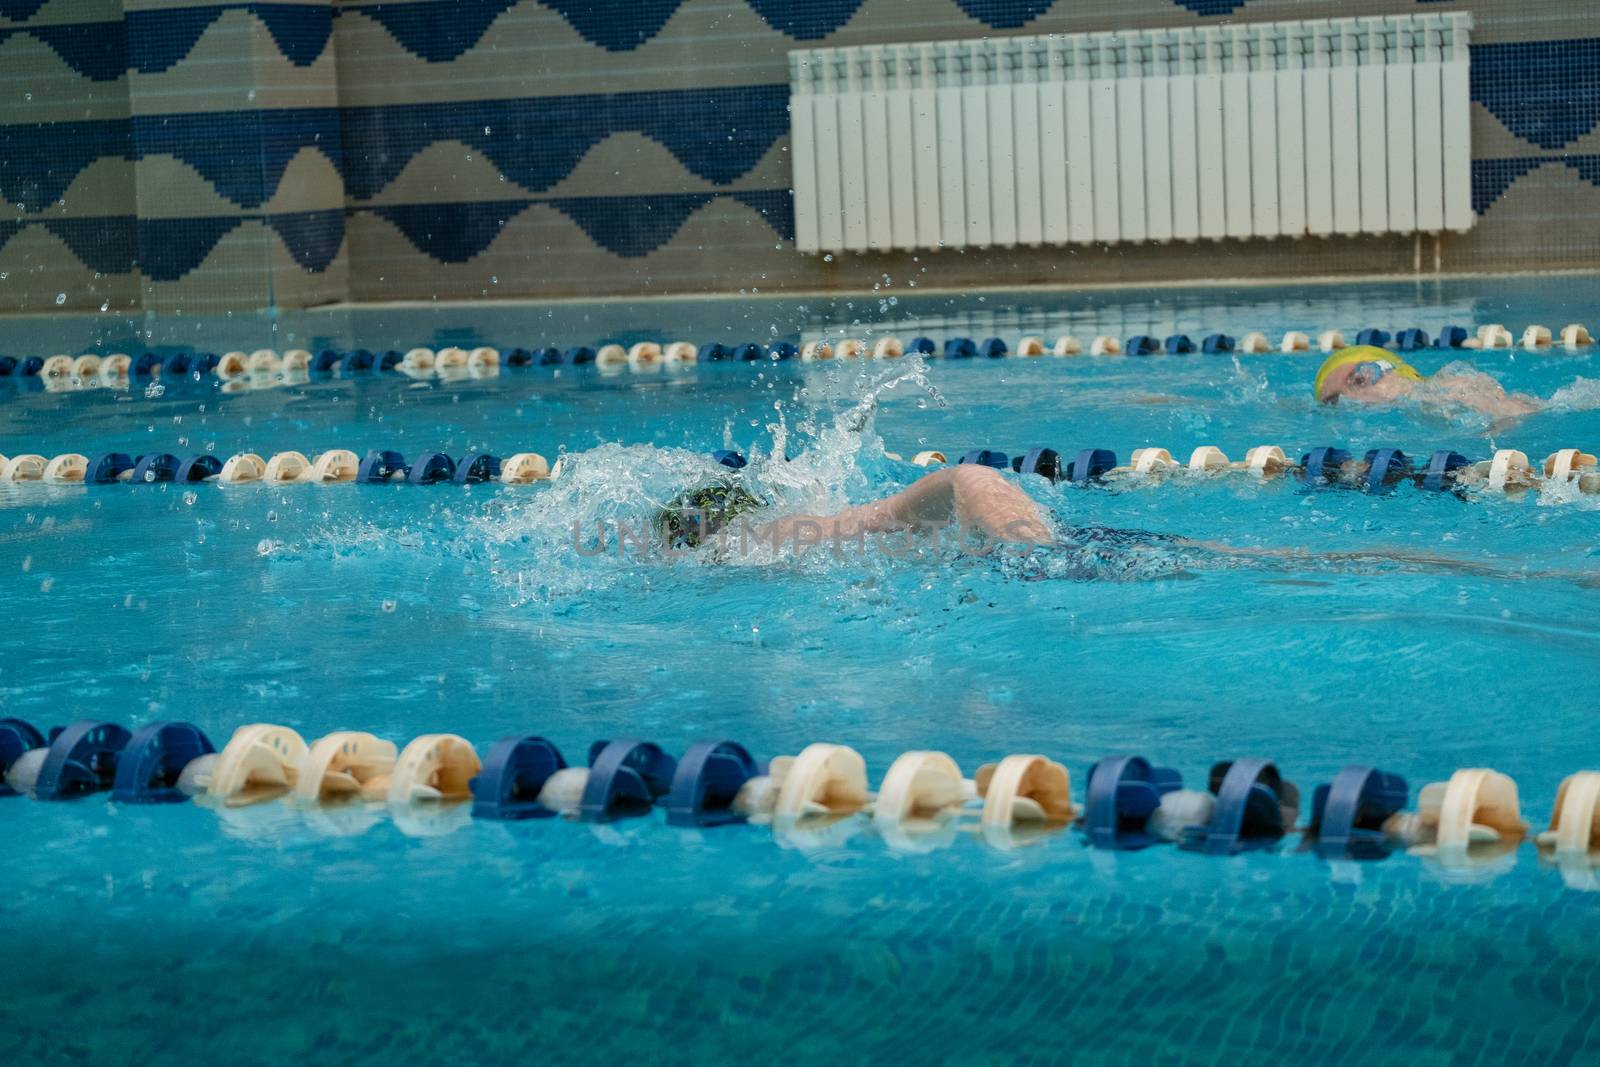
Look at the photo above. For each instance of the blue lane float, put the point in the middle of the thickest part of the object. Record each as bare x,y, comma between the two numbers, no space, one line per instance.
476,469
1440,474
714,352
993,348
431,468
924,346
984,457
150,763
577,356
515,770
1412,340
1045,462
1179,345
727,457
108,468
1124,791
706,781
326,361
155,467
380,466
1322,465
1374,337
748,353
960,348
1252,802
356,362
782,350
1453,337
1143,345
1347,814
198,469
1090,465
82,760
1217,344
1385,468
626,778
16,737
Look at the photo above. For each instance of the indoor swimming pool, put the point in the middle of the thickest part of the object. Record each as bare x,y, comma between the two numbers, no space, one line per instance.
1315,626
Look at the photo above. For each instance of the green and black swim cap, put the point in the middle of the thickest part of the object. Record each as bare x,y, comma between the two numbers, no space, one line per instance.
692,517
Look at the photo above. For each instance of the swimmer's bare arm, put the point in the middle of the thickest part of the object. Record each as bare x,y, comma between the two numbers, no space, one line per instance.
978,498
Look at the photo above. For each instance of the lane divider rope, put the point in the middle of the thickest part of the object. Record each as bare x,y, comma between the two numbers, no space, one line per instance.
1378,470
116,369
813,797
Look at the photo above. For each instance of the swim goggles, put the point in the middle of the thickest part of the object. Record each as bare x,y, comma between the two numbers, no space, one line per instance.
1370,372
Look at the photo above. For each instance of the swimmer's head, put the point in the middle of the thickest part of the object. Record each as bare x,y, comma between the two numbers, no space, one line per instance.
1365,373
696,516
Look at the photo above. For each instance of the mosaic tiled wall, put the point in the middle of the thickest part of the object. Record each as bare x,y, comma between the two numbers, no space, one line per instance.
180,155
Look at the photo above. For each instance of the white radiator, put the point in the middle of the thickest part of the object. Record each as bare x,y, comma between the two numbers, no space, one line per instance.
1334,126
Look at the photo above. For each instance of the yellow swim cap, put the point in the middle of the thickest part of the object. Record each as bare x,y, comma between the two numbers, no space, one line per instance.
1363,354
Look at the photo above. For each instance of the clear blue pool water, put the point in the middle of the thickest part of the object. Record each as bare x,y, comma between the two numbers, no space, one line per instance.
401,610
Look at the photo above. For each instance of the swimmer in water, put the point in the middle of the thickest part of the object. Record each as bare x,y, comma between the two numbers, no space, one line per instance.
1365,374
983,505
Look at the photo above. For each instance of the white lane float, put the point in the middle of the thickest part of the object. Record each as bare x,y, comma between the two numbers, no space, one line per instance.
450,359
66,469
920,787
86,367
339,767
1025,789
484,358
1152,461
260,762
417,362
930,458
1536,337
851,349
1330,341
1574,829
1254,344
334,466
1267,461
1105,345
888,348
232,365
242,467
812,351
823,781
611,356
1568,463
1476,807
1576,335
264,361
1507,471
434,768
24,468
1295,341
296,361
680,352
1494,335
1067,345
1029,347
523,468
1208,459
115,366
286,467
644,354
56,367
